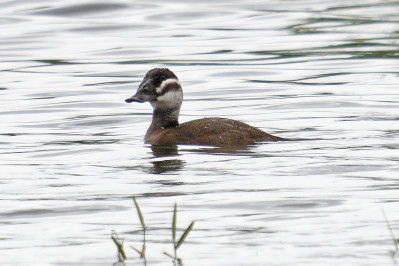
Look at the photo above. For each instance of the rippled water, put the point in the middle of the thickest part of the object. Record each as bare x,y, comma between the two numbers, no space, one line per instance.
72,152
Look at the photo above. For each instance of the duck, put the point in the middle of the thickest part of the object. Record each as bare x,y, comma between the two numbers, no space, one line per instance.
162,89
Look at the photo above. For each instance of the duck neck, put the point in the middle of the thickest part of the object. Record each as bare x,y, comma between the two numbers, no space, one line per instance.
165,118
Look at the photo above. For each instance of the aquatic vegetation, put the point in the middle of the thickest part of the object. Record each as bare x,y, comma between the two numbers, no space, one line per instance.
395,240
176,244
119,244
142,252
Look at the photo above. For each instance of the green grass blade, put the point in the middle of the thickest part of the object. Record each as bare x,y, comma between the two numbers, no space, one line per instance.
395,240
183,237
119,245
174,225
139,213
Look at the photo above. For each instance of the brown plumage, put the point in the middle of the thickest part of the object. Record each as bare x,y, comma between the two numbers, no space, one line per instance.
213,131
162,89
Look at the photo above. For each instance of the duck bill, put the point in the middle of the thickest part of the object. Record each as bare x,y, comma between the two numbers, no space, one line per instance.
142,96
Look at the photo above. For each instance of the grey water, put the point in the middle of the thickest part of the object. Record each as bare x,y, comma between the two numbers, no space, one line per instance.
324,73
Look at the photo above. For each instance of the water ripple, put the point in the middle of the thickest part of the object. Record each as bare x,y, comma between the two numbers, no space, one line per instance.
322,73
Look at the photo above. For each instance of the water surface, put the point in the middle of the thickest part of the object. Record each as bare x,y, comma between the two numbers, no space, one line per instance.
72,152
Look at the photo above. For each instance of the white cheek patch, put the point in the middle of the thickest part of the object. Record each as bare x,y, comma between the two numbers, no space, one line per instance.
169,100
165,83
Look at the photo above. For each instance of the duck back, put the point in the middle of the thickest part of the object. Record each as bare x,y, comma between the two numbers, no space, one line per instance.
213,131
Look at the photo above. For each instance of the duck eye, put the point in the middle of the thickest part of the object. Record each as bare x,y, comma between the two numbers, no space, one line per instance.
162,77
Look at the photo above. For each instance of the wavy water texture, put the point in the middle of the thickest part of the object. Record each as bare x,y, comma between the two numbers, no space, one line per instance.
323,73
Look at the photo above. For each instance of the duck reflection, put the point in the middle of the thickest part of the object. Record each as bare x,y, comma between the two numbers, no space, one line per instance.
168,151
166,165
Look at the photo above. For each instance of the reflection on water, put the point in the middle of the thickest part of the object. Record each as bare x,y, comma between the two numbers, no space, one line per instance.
72,152
166,165
164,151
